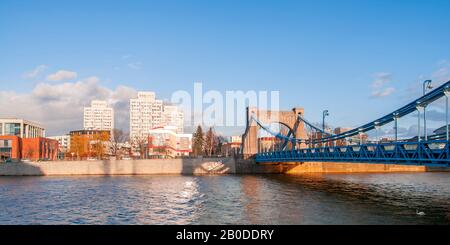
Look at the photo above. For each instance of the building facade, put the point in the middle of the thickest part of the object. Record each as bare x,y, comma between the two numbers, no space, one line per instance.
14,148
233,146
166,142
64,142
20,128
10,148
147,113
44,149
173,116
98,116
89,144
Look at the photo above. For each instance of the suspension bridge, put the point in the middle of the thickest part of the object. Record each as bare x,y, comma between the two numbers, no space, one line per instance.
296,139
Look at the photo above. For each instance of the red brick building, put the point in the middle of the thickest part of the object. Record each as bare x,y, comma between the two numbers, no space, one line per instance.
10,147
16,148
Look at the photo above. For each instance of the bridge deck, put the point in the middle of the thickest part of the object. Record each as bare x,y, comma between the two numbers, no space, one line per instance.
432,153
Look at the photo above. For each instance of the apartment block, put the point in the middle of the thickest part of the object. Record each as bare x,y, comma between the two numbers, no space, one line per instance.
64,142
98,116
147,113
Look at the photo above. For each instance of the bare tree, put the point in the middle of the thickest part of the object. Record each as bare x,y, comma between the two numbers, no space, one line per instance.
211,142
117,139
140,143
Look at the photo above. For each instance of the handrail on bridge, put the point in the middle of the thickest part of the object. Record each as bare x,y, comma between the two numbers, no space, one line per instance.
436,153
426,99
401,112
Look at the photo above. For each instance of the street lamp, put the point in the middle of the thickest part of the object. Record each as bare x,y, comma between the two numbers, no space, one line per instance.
377,128
360,133
426,85
324,114
396,125
419,107
447,94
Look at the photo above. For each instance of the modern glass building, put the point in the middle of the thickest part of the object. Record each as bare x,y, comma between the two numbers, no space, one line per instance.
20,128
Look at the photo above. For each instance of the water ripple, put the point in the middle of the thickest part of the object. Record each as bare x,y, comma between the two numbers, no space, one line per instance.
263,199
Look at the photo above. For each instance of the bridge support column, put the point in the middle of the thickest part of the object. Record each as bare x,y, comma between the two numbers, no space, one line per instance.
288,118
300,132
250,142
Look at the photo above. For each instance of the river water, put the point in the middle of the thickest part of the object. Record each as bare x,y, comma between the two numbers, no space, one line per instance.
230,199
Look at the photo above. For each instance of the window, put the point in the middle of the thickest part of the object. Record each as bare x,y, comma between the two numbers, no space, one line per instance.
5,153
5,149
5,143
12,129
1,129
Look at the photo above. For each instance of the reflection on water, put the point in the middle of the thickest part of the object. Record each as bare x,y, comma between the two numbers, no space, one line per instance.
246,199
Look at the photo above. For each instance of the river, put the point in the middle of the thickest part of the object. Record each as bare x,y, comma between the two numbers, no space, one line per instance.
228,199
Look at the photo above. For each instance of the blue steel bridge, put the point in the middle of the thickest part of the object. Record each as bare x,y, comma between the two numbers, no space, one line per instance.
295,139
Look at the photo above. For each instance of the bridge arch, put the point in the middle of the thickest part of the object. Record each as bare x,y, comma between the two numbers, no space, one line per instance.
286,118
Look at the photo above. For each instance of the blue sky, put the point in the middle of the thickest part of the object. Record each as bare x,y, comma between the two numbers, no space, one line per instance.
358,59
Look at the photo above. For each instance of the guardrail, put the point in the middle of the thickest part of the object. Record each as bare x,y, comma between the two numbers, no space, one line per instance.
415,153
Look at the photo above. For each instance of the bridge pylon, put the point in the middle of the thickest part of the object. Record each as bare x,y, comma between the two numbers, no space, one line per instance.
286,118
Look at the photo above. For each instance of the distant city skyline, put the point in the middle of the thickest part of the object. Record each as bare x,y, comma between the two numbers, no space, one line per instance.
359,60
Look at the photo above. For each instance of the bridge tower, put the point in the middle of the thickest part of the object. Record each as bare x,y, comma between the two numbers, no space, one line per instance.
287,118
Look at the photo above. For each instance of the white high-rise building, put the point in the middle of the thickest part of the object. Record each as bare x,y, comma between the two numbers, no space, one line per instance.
147,113
99,116
64,142
173,116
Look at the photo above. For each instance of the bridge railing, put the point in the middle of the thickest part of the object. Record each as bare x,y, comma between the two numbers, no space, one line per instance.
435,152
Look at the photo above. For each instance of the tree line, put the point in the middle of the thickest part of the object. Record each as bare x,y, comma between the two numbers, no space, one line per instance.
103,144
206,144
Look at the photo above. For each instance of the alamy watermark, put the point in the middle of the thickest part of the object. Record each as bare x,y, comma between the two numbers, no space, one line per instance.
215,108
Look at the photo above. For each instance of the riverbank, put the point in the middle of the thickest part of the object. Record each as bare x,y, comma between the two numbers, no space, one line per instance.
191,166
196,166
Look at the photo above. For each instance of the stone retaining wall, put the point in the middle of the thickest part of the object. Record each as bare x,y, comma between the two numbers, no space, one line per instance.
196,166
122,167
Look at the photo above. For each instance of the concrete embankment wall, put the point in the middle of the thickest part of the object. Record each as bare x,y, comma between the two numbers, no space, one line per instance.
121,167
243,166
196,166
339,167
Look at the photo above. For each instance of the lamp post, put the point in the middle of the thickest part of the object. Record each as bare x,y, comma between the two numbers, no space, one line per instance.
360,133
419,108
447,93
324,114
396,125
426,85
377,128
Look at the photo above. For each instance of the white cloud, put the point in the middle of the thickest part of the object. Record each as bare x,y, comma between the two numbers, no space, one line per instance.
127,56
439,76
378,86
35,72
381,79
62,75
59,107
135,65
383,93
